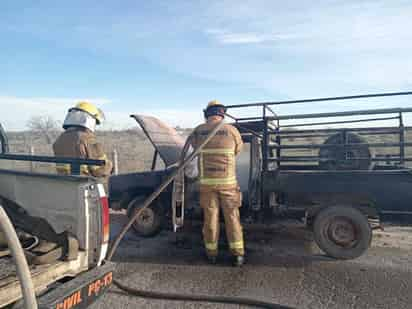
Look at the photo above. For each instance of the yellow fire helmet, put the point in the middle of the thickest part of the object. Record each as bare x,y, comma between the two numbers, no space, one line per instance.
214,108
213,103
91,110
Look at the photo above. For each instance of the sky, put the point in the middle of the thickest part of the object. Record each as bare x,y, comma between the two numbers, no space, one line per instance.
169,58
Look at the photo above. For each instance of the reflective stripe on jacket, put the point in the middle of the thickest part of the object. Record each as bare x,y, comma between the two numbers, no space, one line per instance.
217,160
81,143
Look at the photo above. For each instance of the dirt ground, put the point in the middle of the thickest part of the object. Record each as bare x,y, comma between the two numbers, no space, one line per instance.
394,236
284,266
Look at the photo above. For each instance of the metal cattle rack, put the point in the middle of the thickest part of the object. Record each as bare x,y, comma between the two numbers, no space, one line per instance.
75,163
268,127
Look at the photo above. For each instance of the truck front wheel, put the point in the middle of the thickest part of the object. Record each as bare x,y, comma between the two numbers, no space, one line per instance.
149,221
342,232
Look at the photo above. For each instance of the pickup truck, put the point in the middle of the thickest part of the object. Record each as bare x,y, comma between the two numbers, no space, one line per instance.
68,216
341,180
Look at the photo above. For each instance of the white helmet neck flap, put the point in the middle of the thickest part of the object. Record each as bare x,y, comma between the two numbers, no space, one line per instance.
79,118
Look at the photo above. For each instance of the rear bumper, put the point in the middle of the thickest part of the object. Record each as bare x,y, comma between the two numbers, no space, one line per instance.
80,292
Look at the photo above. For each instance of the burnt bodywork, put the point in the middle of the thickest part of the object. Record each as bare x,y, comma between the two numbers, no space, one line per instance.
168,145
328,166
305,169
166,141
385,192
124,188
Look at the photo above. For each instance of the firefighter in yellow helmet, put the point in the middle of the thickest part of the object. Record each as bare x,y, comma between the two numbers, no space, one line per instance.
79,140
219,189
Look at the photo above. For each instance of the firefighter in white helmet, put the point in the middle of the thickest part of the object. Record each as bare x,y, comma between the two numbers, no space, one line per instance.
219,189
79,140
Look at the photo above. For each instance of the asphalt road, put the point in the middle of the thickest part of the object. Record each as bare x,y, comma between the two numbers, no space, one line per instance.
284,266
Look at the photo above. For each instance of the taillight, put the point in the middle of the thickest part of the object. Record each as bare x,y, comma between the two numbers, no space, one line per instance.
104,202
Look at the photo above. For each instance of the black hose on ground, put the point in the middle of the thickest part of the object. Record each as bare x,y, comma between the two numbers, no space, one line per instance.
178,296
199,298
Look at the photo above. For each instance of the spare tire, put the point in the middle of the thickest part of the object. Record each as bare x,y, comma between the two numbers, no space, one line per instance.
335,157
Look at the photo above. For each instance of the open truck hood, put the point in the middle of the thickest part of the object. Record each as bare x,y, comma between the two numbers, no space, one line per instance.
165,139
169,145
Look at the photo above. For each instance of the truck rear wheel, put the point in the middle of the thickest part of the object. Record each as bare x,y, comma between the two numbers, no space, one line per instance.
149,222
342,232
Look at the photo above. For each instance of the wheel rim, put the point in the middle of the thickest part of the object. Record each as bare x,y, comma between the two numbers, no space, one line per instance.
145,219
342,232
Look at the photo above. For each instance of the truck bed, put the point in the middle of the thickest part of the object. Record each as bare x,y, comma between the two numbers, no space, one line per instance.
387,191
42,275
69,216
8,270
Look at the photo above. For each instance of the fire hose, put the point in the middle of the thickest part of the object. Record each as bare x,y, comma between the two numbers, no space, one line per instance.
177,296
23,272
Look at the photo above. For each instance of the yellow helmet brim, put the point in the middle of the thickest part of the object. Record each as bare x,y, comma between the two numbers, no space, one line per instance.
92,110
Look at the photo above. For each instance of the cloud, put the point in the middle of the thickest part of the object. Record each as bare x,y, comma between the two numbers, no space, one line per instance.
57,108
226,37
304,50
16,111
46,102
292,49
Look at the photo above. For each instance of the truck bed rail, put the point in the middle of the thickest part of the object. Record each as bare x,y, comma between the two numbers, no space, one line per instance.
278,137
75,163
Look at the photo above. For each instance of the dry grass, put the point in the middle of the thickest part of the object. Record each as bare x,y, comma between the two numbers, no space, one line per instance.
134,150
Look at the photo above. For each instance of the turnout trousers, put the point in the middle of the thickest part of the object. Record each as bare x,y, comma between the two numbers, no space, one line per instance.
212,199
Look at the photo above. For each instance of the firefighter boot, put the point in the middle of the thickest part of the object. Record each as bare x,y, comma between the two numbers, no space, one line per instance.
238,261
212,259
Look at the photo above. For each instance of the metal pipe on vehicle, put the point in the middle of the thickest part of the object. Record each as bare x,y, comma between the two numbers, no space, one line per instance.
372,130
23,271
75,163
50,159
352,97
344,114
321,159
248,118
270,110
336,122
315,146
401,139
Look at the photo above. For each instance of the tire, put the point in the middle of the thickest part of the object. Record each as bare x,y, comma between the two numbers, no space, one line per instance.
342,232
149,223
335,156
